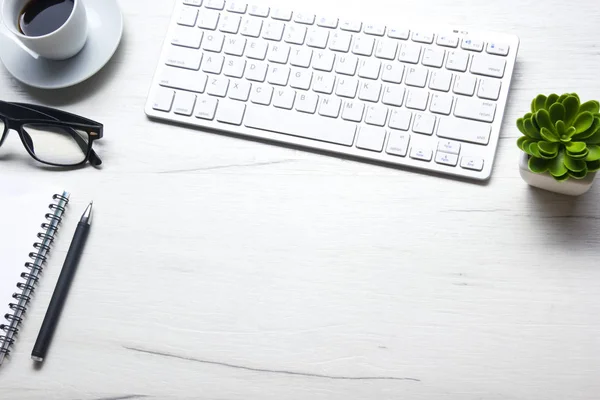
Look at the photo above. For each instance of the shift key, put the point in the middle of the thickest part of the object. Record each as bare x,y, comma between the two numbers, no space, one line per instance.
478,110
464,130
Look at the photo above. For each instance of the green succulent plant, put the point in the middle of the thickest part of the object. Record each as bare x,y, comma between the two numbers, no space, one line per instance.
561,136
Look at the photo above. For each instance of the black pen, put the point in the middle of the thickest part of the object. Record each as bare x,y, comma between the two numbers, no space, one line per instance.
62,287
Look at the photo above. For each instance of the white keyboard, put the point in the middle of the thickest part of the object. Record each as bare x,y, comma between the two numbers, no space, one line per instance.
422,97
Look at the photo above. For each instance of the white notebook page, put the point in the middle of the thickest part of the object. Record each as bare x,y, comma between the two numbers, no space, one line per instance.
23,206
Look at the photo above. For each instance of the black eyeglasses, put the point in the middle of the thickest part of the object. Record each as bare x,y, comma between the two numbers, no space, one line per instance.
51,136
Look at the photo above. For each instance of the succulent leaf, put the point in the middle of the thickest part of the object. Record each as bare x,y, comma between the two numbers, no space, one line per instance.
593,166
531,130
548,148
594,139
576,147
557,166
521,126
591,131
557,112
521,141
591,106
578,156
594,153
553,98
583,122
538,165
538,103
574,165
562,178
549,136
571,104
534,150
543,119
579,174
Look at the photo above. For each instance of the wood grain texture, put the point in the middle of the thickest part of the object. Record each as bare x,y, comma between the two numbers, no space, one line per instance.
221,268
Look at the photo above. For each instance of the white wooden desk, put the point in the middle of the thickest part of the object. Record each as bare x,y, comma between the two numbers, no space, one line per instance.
220,268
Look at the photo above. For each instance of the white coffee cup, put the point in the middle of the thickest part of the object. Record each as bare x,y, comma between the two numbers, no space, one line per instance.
63,43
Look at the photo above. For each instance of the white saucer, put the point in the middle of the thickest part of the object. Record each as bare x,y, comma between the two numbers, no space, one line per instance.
105,24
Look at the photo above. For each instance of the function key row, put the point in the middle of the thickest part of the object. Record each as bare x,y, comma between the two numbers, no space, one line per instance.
452,41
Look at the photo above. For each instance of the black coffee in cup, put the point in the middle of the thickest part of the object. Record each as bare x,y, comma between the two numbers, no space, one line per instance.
41,17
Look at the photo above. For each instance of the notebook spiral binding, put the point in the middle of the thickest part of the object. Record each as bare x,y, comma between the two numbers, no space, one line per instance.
22,297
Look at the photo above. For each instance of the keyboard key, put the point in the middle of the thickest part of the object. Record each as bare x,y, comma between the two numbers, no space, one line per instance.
473,163
304,18
417,99
278,75
257,49
353,111
351,26
195,3
213,63
346,65
240,90
340,41
376,115
386,49
234,46
327,22
234,67
448,146
217,86
434,57
301,79
238,7
215,4
273,30
393,95
464,130
284,98
251,27
416,76
184,58
279,53
208,19
324,83
369,68
256,71
398,143
446,159
488,65
374,29
182,79
392,72
410,53
499,49
465,85
489,89
317,37
472,44
440,80
213,41
163,99
259,11
363,45
231,112
400,119
346,87
447,41
424,123
188,16
330,107
457,61
206,107
441,103
230,23
421,153
423,37
369,91
300,125
398,33
323,61
261,94
281,14
371,138
187,37
475,109
295,34
301,57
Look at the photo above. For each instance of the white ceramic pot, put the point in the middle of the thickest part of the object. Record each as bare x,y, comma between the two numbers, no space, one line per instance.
570,187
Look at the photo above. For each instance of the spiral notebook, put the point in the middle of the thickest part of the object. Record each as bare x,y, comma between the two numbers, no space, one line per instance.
29,221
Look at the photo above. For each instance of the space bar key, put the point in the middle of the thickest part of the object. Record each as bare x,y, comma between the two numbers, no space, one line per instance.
298,124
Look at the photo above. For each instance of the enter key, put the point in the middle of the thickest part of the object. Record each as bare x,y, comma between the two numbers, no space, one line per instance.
475,109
